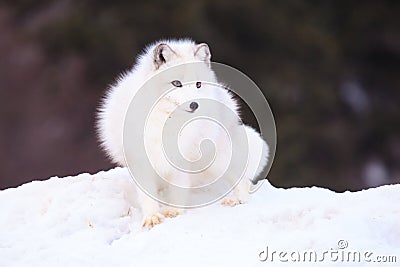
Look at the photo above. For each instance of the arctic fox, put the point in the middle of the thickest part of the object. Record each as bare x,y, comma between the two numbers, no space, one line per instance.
188,83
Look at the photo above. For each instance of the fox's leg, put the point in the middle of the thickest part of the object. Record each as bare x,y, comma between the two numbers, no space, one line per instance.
150,207
240,194
257,159
178,196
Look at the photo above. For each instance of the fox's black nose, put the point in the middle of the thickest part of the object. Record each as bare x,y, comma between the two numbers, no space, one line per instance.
193,106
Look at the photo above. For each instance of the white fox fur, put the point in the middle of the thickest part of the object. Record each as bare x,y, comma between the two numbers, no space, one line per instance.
156,58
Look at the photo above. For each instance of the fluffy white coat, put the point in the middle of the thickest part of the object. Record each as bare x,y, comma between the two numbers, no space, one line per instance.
155,59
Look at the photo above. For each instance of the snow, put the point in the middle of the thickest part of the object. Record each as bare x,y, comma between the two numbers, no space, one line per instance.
92,220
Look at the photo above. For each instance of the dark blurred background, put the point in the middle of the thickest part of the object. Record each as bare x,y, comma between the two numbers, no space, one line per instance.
330,70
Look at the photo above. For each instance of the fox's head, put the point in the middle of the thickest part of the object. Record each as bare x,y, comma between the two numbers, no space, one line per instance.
183,68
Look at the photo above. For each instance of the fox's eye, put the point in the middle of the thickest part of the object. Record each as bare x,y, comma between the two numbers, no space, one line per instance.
198,84
176,83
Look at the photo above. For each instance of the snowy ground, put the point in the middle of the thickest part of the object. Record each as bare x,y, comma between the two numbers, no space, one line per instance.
91,220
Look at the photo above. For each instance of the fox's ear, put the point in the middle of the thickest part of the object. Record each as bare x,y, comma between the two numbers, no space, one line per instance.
162,53
202,51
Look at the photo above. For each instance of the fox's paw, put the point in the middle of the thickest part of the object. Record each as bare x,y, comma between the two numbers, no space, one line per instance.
232,201
152,220
171,212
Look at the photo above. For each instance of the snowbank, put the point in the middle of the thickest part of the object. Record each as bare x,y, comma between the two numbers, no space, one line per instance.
92,220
